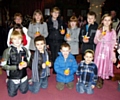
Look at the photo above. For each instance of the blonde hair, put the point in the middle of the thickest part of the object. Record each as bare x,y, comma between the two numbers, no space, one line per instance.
37,11
73,19
101,24
55,9
15,34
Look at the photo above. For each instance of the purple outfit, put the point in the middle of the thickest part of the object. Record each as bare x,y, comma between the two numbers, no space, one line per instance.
104,53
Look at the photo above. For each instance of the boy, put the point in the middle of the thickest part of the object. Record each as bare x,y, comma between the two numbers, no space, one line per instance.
56,33
15,62
87,33
65,66
87,74
40,66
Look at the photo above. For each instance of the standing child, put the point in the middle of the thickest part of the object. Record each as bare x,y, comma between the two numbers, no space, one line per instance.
37,27
87,33
87,74
72,36
15,62
56,33
65,66
104,55
40,66
18,24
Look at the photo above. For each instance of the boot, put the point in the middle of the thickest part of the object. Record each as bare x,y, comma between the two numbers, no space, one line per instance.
99,83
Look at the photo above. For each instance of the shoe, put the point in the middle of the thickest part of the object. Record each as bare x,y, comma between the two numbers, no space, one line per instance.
119,86
99,84
60,86
70,85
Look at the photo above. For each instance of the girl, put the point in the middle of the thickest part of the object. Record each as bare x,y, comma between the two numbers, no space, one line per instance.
104,55
72,36
18,25
37,27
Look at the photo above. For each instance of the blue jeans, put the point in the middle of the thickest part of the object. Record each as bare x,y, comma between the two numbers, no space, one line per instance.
81,88
13,88
35,87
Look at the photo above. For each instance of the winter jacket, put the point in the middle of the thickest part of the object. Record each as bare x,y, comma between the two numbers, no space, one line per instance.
61,65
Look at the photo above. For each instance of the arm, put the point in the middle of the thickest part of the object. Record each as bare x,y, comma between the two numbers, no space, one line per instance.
57,67
8,39
30,31
6,58
97,37
74,67
94,79
45,30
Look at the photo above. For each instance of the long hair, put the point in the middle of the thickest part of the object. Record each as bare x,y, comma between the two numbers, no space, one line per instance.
101,24
37,11
73,19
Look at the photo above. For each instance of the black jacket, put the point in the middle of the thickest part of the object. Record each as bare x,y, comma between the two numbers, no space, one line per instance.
54,34
91,33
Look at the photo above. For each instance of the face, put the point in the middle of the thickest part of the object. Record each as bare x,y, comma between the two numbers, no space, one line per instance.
65,51
17,41
40,45
107,21
113,14
18,20
91,19
88,58
55,14
38,17
73,24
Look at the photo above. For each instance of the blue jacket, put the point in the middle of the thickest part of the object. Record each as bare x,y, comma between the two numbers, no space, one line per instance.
61,65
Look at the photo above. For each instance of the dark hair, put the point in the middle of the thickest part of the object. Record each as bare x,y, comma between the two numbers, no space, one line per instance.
18,26
89,51
65,45
40,13
39,38
92,13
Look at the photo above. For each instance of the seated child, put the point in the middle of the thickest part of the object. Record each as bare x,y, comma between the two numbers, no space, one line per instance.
40,66
65,66
86,73
15,60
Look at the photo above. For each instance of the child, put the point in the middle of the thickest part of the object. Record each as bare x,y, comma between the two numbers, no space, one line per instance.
87,73
15,62
72,35
65,66
104,55
37,27
18,21
40,66
87,33
56,33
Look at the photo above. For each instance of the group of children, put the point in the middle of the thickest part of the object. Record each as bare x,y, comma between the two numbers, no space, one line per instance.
91,71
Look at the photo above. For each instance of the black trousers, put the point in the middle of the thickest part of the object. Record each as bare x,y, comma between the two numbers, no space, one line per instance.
54,48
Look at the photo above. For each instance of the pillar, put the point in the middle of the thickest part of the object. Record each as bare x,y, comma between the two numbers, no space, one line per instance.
95,5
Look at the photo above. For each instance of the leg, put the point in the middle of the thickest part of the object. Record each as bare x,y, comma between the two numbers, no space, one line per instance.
118,85
89,90
70,85
44,83
80,88
35,87
60,86
12,88
24,87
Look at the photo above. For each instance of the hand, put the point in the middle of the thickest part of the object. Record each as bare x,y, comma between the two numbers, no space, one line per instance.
62,31
50,64
23,65
92,86
48,46
101,36
85,40
37,35
43,65
114,60
118,66
78,79
68,39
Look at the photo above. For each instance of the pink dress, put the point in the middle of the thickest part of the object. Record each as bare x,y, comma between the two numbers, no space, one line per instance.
104,53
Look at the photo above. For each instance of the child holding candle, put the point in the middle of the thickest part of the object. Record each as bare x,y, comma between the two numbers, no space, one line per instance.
40,66
87,33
